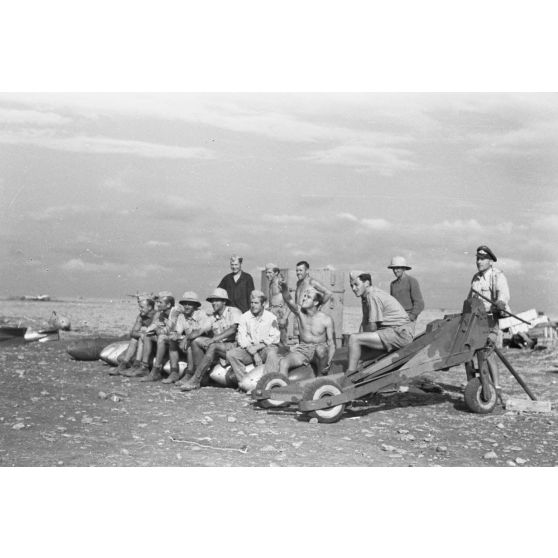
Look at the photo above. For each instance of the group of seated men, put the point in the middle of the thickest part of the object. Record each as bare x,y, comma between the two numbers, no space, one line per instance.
248,326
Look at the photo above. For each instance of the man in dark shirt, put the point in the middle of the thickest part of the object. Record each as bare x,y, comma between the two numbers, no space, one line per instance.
405,288
238,285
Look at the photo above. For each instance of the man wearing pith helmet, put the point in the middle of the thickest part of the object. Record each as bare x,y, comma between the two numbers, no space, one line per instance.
490,282
405,288
191,323
219,337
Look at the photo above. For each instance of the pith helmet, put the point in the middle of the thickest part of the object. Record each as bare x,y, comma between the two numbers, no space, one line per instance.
486,252
218,294
190,296
164,294
398,261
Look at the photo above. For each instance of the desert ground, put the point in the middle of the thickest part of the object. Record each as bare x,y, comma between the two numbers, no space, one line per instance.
55,411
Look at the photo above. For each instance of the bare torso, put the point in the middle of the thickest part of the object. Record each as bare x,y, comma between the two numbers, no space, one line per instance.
301,286
275,296
313,328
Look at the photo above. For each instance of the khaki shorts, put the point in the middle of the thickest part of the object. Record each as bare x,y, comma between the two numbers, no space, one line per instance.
397,337
308,350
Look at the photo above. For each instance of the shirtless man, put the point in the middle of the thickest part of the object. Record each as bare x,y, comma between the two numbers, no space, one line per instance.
316,331
304,281
277,305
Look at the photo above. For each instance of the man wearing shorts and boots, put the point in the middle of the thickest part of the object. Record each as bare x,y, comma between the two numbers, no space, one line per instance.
385,325
316,333
191,323
158,333
137,338
222,327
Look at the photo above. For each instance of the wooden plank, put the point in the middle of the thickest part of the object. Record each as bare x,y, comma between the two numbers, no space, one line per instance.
525,405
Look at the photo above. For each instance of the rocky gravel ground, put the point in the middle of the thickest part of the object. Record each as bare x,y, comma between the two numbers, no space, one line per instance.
58,412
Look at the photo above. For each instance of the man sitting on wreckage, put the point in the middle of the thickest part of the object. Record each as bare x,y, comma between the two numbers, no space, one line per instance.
257,337
385,324
221,327
190,324
158,334
316,333
137,346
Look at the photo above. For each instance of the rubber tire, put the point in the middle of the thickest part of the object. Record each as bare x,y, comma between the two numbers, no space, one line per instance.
473,397
270,381
324,387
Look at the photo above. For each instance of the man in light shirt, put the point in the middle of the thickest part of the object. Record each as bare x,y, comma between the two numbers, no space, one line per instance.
221,333
190,324
385,325
490,282
257,337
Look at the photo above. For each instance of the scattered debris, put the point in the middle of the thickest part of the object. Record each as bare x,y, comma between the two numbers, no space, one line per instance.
490,455
386,447
241,449
269,448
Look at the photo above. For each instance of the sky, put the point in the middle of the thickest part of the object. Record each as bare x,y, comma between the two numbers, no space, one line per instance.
108,194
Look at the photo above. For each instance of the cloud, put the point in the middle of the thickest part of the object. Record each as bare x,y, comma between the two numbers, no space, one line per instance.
102,145
156,243
60,211
148,269
310,253
77,264
368,223
347,217
515,267
81,266
34,117
196,243
460,226
376,224
116,184
385,160
549,223
286,219
174,208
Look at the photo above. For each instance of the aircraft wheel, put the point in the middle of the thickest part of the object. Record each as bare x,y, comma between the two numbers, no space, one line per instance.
271,381
319,389
474,398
